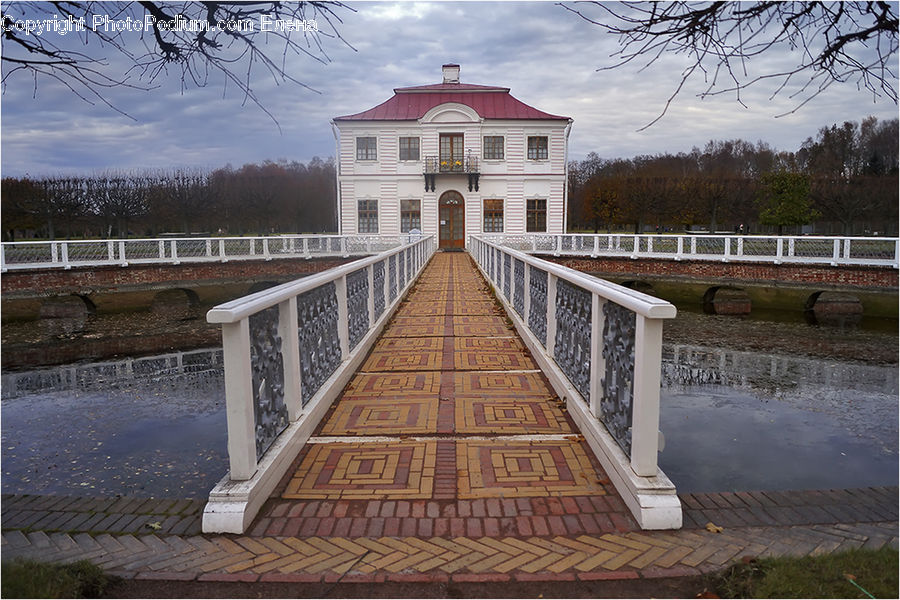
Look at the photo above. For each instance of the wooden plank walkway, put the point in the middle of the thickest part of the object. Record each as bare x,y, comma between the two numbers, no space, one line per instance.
446,459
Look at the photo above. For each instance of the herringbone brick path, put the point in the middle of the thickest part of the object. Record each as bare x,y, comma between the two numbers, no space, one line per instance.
447,458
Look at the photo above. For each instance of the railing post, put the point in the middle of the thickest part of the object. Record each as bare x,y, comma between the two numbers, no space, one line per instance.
266,254
370,274
222,256
680,251
306,247
779,250
836,252
791,247
344,314
645,410
596,246
239,400
650,244
162,251
740,246
174,246
111,252
209,248
343,246
635,247
54,253
558,245
252,246
526,290
64,248
533,243
727,249
290,352
896,254
693,245
598,363
847,249
3,258
551,314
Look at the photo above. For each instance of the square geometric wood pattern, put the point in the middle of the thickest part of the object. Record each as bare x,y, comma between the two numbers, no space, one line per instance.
401,470
378,416
541,468
512,416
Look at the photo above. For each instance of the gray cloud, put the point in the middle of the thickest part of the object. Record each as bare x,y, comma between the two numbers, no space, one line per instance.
546,55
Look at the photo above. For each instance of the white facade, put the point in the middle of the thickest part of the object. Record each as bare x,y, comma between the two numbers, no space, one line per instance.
530,186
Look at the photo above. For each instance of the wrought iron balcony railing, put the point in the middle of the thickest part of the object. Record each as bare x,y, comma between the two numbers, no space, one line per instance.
467,165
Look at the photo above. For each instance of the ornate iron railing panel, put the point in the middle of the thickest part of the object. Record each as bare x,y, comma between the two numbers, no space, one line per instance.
267,367
378,284
358,305
617,382
392,277
537,312
507,272
572,348
320,350
519,287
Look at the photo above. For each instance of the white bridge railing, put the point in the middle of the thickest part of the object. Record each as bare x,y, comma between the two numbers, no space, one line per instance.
834,251
600,345
288,351
173,251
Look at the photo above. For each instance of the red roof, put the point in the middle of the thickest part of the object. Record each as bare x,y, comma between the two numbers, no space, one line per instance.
411,103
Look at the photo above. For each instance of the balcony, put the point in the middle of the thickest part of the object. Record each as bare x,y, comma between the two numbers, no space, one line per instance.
467,165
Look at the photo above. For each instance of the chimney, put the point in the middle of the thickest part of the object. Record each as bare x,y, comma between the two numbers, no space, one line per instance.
451,73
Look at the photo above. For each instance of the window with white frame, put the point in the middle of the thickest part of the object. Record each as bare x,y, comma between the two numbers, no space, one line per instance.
410,215
537,147
536,215
368,216
409,148
366,148
493,147
493,215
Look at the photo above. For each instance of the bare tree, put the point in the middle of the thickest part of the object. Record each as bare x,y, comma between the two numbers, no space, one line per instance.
832,41
69,42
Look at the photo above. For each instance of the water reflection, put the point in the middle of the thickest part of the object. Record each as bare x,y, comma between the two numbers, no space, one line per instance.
738,420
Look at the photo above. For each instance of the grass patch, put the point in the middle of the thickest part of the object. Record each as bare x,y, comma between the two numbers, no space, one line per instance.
875,571
33,579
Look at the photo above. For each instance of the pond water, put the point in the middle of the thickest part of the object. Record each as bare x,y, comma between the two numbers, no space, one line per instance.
733,420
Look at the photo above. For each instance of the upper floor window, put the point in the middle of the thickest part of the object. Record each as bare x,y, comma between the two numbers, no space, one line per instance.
366,148
536,214
493,147
368,216
451,146
410,215
409,148
493,216
537,147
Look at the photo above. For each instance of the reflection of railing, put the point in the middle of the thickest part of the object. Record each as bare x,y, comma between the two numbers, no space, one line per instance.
288,352
600,345
835,251
68,254
171,368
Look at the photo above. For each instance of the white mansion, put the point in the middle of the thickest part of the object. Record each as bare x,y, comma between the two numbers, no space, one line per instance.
452,159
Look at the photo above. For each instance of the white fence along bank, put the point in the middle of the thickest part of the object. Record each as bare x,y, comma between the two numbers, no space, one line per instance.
288,351
600,345
833,251
174,251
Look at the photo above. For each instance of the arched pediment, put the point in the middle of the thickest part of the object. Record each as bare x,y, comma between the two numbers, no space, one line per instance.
451,112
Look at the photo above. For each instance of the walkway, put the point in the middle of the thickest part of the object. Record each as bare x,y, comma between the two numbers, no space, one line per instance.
446,458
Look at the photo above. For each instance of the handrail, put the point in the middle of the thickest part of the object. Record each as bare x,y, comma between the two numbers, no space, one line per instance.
836,251
66,254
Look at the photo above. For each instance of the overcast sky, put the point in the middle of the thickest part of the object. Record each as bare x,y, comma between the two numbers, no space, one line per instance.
545,54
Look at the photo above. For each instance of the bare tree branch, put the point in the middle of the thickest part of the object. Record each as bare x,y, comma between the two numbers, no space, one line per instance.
832,42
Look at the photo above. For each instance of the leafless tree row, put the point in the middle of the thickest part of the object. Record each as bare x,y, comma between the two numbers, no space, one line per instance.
272,197
849,173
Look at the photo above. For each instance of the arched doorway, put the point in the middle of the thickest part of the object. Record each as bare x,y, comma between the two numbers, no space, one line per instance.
452,220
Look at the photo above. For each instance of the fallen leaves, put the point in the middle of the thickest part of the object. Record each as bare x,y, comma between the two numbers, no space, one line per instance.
713,528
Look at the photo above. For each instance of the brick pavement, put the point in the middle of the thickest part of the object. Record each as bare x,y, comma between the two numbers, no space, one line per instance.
447,458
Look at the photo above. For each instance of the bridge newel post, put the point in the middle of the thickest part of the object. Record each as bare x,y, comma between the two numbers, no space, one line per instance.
344,315
596,246
222,256
551,315
645,411
680,251
239,400
123,260
64,248
836,252
779,250
162,250
740,246
266,254
54,252
111,251
598,363
290,351
174,247
727,249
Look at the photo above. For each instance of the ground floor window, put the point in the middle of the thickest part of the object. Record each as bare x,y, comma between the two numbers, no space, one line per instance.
368,216
410,215
536,215
493,216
